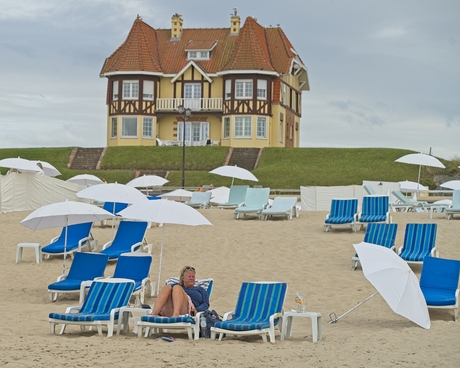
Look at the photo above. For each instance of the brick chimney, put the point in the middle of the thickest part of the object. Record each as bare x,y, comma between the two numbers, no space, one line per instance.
176,26
234,23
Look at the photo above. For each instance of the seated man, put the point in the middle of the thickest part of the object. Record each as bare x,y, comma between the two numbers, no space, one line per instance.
182,298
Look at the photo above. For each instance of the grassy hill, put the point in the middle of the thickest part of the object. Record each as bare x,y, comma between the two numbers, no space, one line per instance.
286,168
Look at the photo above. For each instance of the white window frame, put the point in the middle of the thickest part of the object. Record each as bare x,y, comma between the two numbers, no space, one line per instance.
199,55
261,131
226,129
243,89
130,90
128,123
114,127
280,132
284,94
261,89
228,89
243,127
147,127
148,92
114,90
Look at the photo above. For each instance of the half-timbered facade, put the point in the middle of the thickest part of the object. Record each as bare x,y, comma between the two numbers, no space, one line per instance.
243,84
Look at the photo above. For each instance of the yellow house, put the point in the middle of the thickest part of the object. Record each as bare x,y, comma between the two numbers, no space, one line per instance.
243,86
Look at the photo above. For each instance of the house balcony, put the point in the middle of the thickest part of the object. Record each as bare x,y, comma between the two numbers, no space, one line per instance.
195,104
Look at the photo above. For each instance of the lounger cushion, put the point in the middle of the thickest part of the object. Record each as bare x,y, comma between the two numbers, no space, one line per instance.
158,319
438,296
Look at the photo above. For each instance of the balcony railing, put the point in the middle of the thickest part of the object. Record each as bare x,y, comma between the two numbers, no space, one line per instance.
195,104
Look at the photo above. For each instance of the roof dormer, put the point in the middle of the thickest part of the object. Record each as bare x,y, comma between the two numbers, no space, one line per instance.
200,50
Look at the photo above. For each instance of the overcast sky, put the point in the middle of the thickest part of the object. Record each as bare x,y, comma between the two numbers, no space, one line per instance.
382,73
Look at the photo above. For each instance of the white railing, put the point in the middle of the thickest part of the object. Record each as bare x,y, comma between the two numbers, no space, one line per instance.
195,104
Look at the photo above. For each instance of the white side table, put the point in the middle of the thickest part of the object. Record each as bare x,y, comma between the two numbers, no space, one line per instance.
123,317
316,329
36,246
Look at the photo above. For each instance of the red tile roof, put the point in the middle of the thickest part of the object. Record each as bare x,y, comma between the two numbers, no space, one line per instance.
150,50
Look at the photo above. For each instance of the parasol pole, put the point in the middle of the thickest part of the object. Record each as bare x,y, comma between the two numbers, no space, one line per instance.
161,258
418,180
356,306
65,243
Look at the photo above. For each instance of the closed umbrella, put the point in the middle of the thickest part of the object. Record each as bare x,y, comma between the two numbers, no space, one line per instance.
63,214
234,172
164,212
395,281
420,159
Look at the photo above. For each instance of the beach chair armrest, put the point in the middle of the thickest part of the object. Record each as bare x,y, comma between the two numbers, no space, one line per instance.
62,277
73,309
148,247
54,239
83,240
228,315
434,252
106,245
134,246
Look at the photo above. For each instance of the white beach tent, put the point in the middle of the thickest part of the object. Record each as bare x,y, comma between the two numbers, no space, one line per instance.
28,191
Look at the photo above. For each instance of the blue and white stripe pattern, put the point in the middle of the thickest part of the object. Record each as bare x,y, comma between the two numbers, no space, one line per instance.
102,298
419,241
343,211
256,303
375,209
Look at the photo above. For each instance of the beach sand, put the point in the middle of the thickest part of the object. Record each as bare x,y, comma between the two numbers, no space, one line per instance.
313,263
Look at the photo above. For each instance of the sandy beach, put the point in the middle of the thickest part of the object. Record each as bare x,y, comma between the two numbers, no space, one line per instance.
313,263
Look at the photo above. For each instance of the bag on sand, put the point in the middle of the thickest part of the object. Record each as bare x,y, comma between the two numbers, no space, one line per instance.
210,317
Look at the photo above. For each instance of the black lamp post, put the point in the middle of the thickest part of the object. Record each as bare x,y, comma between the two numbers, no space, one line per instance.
184,114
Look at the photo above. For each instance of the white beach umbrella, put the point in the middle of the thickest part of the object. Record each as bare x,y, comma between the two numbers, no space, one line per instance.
395,281
113,192
177,195
220,192
452,184
85,179
411,186
234,172
47,168
20,164
147,181
163,211
420,159
63,214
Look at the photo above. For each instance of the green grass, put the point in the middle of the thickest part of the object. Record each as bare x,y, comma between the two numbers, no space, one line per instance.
279,168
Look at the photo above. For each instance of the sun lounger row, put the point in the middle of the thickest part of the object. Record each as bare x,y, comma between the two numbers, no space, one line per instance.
344,211
87,267
419,241
130,237
258,311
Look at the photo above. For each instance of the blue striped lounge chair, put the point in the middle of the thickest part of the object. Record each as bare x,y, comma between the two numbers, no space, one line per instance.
439,283
258,310
189,323
100,308
344,211
135,266
419,242
129,237
85,267
78,236
375,209
379,234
